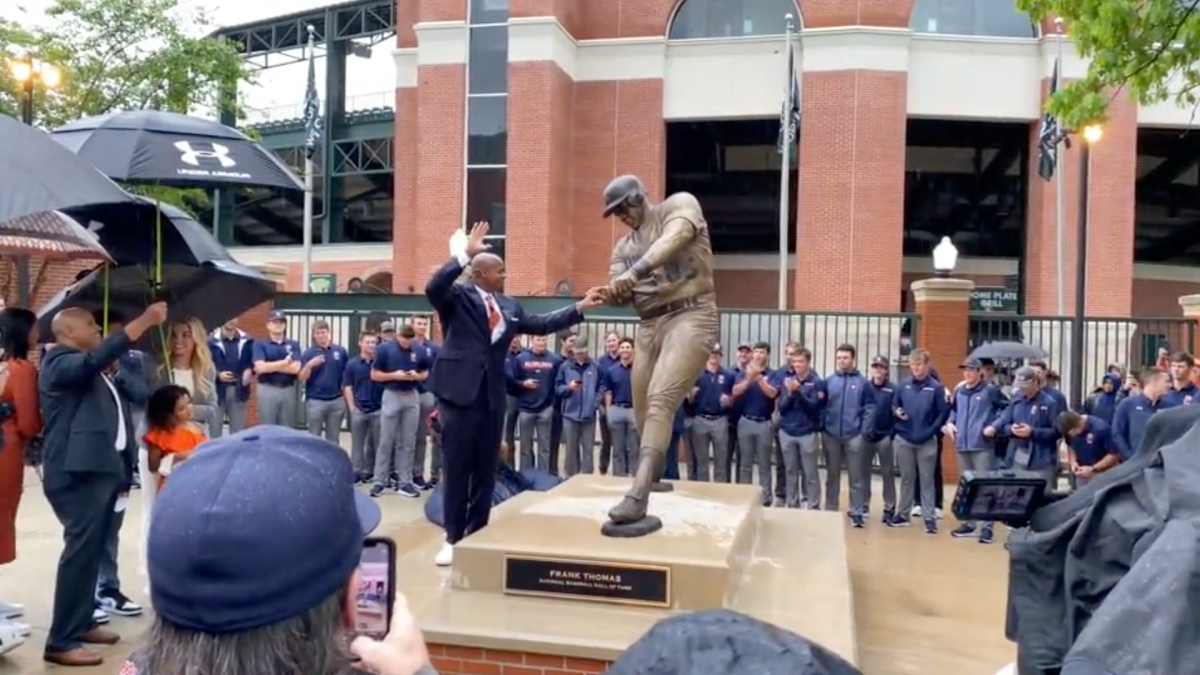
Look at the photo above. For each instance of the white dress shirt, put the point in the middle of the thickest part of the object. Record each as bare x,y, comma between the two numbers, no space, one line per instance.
122,441
489,301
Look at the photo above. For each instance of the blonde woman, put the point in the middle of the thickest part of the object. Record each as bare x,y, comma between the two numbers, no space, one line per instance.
189,365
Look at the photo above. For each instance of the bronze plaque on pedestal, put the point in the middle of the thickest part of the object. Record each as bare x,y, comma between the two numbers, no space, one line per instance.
619,583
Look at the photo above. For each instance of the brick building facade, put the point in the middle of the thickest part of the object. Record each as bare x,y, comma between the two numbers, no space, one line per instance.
590,86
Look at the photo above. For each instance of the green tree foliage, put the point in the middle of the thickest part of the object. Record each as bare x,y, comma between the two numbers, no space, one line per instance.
122,55
1148,49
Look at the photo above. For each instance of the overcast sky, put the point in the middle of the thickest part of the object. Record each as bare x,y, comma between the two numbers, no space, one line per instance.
280,90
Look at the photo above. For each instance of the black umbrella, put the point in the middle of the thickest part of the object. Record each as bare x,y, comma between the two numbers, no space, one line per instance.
161,227
39,175
214,292
151,146
1016,351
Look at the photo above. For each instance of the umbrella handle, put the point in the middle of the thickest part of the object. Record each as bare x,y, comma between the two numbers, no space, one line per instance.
157,287
105,304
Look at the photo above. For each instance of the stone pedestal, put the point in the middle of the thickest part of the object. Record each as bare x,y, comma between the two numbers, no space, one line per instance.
943,330
541,583
710,529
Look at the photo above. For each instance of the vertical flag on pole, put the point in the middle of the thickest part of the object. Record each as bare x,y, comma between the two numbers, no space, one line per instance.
312,105
1050,135
789,116
789,129
312,137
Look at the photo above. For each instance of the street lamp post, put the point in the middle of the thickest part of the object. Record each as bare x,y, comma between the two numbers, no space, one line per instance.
29,71
1091,135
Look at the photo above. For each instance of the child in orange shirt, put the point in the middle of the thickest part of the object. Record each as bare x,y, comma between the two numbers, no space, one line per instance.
171,434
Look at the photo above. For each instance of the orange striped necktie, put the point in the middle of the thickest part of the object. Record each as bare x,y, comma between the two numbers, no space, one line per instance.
493,313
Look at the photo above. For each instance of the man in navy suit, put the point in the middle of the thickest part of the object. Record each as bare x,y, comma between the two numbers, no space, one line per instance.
468,376
90,447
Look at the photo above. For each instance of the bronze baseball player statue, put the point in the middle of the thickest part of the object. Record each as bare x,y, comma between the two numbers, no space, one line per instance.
663,267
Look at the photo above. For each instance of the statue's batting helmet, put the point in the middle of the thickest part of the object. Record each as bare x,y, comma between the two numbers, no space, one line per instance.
622,189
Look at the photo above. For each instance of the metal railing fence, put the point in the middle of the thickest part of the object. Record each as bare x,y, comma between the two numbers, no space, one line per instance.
1132,343
891,335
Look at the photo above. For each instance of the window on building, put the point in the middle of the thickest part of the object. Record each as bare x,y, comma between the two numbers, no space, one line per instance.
1167,217
731,18
488,11
966,180
488,60
487,130
485,173
992,18
733,169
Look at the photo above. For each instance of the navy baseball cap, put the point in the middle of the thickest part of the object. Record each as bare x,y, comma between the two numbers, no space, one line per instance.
972,363
880,360
276,315
255,528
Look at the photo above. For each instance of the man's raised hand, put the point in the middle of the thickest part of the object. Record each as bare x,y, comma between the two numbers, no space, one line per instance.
476,242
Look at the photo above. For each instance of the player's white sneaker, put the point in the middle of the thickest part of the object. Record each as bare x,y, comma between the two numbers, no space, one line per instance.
10,637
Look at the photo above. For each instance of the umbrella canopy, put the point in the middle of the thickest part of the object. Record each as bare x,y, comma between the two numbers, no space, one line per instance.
132,240
38,175
52,235
213,293
151,146
1016,351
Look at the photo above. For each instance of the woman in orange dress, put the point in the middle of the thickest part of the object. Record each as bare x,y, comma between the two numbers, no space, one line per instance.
18,392
171,435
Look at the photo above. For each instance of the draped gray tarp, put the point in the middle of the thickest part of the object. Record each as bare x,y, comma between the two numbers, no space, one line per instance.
1107,581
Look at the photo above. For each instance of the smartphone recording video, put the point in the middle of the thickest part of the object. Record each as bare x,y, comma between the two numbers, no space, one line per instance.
376,594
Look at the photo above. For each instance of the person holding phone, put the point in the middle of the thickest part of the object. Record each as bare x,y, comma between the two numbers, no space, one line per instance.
250,576
1031,422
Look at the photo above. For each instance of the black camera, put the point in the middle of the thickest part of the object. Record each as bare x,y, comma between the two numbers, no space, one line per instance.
1006,496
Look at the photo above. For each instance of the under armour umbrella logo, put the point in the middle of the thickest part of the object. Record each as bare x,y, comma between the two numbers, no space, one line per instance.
192,156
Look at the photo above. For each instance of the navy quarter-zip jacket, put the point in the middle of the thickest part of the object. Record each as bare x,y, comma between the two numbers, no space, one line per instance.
878,421
843,410
1040,412
973,409
925,406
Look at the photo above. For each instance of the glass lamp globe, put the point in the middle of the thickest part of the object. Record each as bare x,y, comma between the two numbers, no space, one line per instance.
945,257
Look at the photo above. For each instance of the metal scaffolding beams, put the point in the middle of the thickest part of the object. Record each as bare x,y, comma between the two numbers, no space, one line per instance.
286,37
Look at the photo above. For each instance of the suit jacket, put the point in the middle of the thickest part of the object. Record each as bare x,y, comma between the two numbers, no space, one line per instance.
469,359
80,414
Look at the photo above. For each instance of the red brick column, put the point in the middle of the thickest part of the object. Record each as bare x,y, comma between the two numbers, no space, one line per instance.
619,129
943,328
541,101
850,223
428,150
1110,221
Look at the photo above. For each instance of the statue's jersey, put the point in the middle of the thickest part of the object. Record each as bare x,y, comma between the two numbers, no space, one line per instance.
688,275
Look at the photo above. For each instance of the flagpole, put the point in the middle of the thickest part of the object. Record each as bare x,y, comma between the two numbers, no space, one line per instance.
785,166
1060,163
306,273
